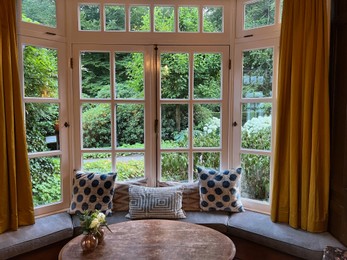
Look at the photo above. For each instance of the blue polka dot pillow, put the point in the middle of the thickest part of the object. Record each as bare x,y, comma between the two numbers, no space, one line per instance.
92,191
219,190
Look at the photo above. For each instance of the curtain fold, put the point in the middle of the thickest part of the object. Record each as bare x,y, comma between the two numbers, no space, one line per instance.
16,204
300,194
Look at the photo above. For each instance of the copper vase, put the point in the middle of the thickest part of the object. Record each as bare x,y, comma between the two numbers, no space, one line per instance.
89,242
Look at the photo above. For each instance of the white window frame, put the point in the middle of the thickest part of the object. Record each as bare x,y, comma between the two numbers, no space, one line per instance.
41,31
149,106
264,31
62,100
237,110
223,101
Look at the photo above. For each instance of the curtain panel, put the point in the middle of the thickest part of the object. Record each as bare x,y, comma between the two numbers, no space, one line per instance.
16,204
300,192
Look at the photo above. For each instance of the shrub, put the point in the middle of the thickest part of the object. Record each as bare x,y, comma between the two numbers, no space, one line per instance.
256,134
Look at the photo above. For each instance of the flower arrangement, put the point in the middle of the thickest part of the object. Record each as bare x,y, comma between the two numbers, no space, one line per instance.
91,222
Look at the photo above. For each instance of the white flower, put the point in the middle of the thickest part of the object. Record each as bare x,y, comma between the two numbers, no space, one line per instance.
101,217
95,224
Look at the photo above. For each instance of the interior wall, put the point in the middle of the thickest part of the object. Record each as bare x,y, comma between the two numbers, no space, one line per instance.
338,108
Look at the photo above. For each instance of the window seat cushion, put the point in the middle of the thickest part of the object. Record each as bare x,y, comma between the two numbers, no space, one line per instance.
47,230
259,228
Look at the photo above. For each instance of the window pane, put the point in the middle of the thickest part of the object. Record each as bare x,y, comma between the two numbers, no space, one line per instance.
46,180
188,19
259,13
207,125
174,167
140,19
174,75
207,160
257,73
115,17
207,75
97,162
174,126
130,166
90,17
40,72
255,182
256,126
130,74
164,19
42,127
96,125
213,19
39,12
95,71
130,120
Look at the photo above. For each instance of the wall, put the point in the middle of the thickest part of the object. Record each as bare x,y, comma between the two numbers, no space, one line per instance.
338,106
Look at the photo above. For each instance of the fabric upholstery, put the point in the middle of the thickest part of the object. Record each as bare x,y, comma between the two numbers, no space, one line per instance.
146,202
46,231
300,192
92,192
191,195
219,190
121,194
16,203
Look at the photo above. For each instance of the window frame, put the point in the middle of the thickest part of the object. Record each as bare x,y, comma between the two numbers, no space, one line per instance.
41,31
62,100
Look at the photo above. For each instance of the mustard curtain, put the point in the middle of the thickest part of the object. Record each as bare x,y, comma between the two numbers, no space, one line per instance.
301,163
16,204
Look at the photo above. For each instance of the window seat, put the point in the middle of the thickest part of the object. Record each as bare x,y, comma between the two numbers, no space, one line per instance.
248,226
46,231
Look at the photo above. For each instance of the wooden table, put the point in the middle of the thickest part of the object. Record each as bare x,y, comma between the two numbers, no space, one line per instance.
156,239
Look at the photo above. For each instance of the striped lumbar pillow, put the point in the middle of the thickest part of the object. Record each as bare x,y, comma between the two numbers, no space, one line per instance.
150,202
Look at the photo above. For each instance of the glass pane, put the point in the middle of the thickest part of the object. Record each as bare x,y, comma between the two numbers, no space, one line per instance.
174,167
207,125
95,71
140,19
257,73
130,166
281,10
96,125
207,75
256,126
115,17
130,73
39,12
174,126
259,13
207,160
42,127
164,18
46,180
90,17
174,75
97,162
40,72
255,182
188,19
130,120
213,19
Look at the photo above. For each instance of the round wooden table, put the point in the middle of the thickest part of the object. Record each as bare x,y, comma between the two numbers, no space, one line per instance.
155,239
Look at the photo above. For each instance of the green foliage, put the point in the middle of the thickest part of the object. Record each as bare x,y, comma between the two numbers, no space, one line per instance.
89,17
256,134
39,11
46,180
96,126
260,13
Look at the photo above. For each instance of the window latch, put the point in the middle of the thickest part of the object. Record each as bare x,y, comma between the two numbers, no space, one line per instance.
66,124
234,124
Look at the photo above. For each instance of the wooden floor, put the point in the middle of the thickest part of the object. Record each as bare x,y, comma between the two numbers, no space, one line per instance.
245,250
